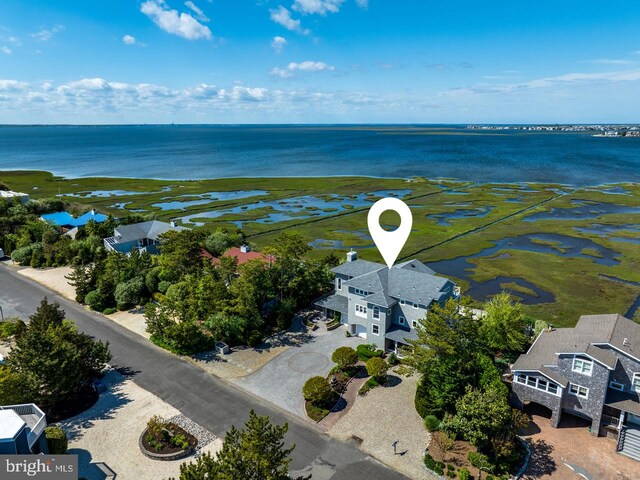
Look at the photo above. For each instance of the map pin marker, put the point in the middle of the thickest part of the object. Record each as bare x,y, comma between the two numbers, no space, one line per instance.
390,243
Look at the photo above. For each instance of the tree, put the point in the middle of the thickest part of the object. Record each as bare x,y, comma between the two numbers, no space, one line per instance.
345,357
317,390
128,293
13,388
503,326
54,360
255,452
377,368
180,252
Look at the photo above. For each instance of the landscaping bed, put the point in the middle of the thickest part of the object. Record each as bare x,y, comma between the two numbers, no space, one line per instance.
163,440
315,412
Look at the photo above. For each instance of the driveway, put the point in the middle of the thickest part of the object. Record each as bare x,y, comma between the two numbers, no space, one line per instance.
280,381
570,452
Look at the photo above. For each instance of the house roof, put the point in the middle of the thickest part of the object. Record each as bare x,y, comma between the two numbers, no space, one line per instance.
137,231
10,424
242,257
65,219
334,302
627,401
399,334
357,268
590,336
417,266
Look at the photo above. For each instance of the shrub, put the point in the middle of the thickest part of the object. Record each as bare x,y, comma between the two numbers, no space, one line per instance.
187,338
56,440
393,359
109,311
377,367
464,474
180,441
478,460
345,357
431,423
317,390
127,294
364,389
156,425
11,327
366,352
95,300
433,465
22,255
163,286
451,471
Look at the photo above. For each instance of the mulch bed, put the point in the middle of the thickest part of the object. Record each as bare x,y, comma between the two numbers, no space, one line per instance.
167,448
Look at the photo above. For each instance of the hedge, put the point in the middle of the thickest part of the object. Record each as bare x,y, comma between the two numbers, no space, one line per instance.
56,440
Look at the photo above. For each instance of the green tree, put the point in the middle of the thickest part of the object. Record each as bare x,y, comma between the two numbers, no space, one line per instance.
54,359
128,293
377,368
83,279
180,252
13,387
503,325
345,357
255,452
317,390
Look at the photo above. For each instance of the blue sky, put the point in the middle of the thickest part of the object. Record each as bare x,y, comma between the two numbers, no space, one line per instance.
319,61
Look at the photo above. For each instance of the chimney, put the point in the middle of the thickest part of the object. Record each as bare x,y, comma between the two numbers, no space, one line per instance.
625,342
352,256
245,248
173,223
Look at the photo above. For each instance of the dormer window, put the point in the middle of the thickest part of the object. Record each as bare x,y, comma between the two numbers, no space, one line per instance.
376,312
363,293
635,384
339,283
582,366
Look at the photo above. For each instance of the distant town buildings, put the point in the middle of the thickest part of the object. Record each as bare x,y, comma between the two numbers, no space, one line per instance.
600,130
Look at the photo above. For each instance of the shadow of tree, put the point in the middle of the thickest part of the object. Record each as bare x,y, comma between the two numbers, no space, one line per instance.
105,408
393,381
542,463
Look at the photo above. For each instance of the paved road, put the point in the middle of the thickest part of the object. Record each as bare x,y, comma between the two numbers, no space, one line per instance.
209,401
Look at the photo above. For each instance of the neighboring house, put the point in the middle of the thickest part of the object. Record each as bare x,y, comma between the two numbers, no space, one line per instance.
68,222
590,371
22,430
8,195
144,236
242,254
384,305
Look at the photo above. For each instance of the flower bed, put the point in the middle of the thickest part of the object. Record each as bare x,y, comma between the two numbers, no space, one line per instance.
163,440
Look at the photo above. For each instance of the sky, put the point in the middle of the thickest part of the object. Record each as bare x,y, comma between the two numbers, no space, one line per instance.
319,61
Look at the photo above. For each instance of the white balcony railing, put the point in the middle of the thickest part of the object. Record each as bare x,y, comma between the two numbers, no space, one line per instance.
33,417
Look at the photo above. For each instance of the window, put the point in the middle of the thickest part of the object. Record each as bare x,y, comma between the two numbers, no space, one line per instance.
415,305
402,302
401,320
578,391
376,312
585,367
357,291
339,283
389,312
375,329
616,386
361,310
537,383
636,382
414,323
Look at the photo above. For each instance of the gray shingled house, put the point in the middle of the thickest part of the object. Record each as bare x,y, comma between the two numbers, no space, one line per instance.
384,304
590,371
144,236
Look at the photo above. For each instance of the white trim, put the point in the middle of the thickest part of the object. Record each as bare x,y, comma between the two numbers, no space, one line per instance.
373,329
361,311
339,283
588,371
415,305
636,378
577,392
360,292
613,385
401,320
537,383
376,310
619,350
414,323
402,302
541,373
590,357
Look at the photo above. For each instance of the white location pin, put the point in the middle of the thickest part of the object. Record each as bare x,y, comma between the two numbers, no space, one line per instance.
390,243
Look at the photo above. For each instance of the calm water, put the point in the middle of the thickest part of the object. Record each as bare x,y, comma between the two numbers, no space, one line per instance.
194,152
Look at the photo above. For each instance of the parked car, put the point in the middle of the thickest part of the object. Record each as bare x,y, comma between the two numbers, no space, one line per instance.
1,253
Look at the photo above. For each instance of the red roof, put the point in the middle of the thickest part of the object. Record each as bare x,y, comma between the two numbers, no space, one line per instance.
242,257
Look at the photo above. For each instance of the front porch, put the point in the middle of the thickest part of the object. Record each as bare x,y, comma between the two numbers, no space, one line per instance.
397,340
332,304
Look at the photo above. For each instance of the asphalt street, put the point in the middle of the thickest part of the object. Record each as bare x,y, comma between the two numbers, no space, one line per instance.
207,400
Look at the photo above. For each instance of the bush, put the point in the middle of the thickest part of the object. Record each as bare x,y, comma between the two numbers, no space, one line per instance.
464,474
451,471
11,327
95,300
431,423
22,255
127,294
186,338
393,359
109,311
365,352
478,460
56,440
317,390
377,367
433,465
163,286
364,389
345,357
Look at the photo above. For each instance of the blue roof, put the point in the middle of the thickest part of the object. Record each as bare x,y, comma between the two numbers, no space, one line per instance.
66,219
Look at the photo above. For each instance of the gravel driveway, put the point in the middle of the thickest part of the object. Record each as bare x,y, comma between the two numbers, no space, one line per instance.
280,381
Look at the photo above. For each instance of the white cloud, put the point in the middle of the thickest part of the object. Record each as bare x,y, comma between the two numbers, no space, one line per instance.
610,61
6,50
195,9
169,20
282,16
278,42
363,4
321,7
305,67
129,40
46,34
12,85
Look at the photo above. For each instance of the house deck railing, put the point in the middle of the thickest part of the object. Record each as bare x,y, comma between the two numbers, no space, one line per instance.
28,412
